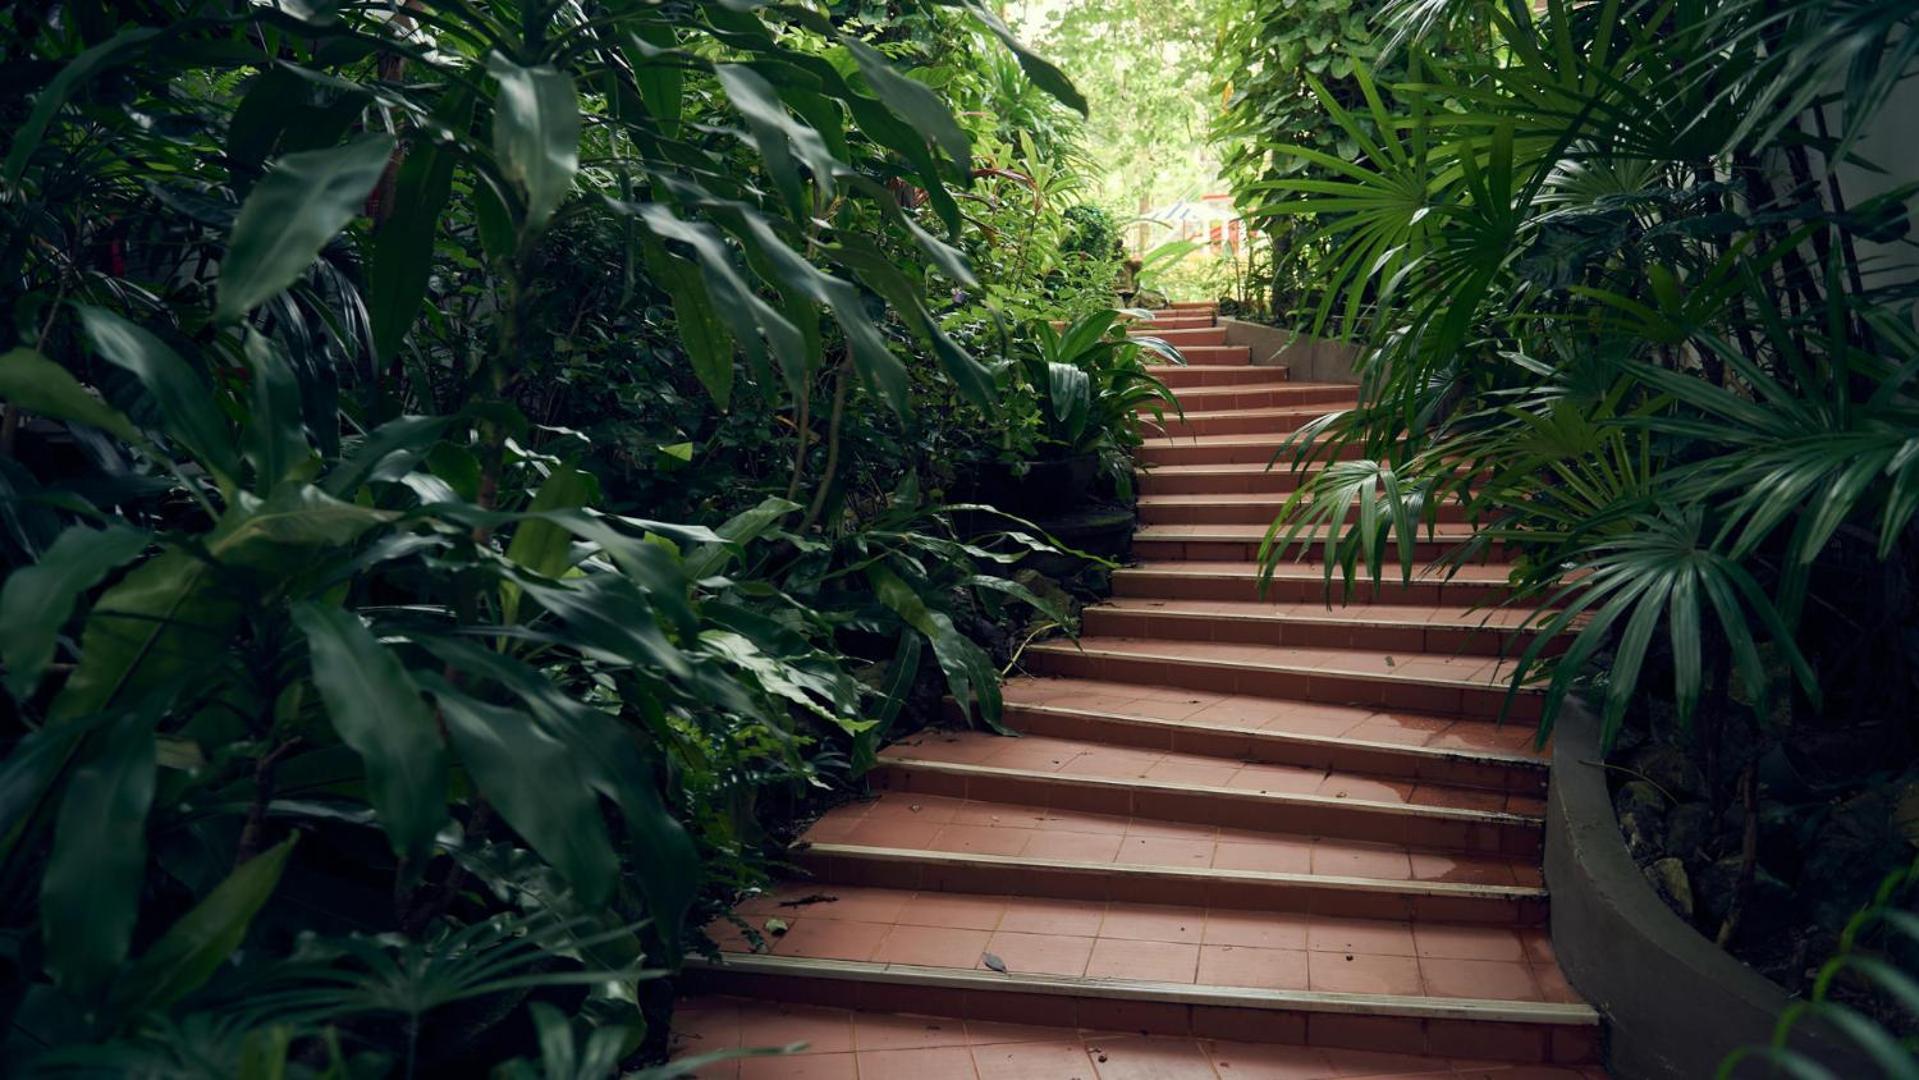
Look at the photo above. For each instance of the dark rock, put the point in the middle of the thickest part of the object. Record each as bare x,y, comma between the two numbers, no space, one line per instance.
1669,879
1641,830
1767,908
1668,768
1689,831
1641,796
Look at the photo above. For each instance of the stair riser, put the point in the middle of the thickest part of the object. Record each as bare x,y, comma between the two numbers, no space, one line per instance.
1248,550
1216,354
1307,633
1381,692
1236,513
1037,1003
1192,321
1284,395
1183,375
1280,480
1330,818
1181,338
1171,425
1269,749
1154,584
1104,884
1185,452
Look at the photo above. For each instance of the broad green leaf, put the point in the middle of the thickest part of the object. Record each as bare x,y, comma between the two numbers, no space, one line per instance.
403,248
377,710
899,684
969,671
28,773
660,79
37,600
385,452
195,945
172,618
38,385
301,202
540,545
1044,74
90,894
913,100
186,404
611,759
47,103
275,435
740,529
537,784
536,134
704,336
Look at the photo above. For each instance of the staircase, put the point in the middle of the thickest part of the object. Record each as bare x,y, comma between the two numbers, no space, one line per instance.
1242,836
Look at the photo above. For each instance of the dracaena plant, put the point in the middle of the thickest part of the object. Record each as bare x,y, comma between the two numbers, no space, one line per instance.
1094,392
305,583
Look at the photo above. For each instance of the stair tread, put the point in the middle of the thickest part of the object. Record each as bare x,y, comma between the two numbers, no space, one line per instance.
1278,370
1052,1050
1272,441
1070,757
1473,671
1277,716
1251,411
1445,533
914,821
1453,616
1283,386
1423,573
1115,942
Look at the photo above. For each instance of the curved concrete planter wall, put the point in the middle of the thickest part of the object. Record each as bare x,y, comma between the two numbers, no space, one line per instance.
1675,1004
1310,359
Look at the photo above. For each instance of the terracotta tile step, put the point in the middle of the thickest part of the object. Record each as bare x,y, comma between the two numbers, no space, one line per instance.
1216,354
1191,375
1474,585
1195,480
1222,450
1476,1028
1461,741
1079,756
1327,815
1446,685
1174,320
1202,398
1226,542
1091,938
1208,335
1140,845
1088,755
1275,421
1402,628
1242,508
1268,892
1500,770
903,1046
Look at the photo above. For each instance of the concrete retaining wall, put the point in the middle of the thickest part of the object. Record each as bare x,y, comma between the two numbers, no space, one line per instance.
1310,359
1675,1003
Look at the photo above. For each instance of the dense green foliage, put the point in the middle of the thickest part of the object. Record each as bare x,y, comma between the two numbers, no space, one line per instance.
371,713
1617,302
1873,963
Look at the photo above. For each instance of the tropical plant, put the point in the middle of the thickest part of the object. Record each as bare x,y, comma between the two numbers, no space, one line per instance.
301,541
1615,303
1857,971
1093,390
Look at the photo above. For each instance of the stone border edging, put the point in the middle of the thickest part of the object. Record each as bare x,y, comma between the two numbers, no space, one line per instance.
1310,359
1675,1003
